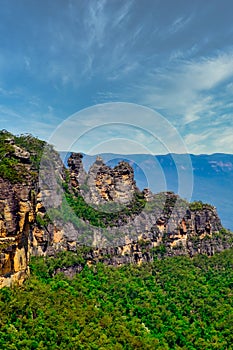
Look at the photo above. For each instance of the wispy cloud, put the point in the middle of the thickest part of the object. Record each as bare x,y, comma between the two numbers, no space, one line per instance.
186,88
196,93
70,55
123,12
40,123
212,140
179,24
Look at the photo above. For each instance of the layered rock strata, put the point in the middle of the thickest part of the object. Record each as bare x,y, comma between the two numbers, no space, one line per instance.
34,219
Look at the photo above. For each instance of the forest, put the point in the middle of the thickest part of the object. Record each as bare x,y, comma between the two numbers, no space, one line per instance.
172,303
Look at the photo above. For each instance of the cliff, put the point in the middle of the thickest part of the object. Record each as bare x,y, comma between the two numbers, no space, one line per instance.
46,208
24,225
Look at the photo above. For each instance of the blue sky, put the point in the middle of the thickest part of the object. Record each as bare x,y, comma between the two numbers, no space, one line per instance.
175,57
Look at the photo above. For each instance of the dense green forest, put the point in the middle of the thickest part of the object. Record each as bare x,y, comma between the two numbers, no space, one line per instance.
174,303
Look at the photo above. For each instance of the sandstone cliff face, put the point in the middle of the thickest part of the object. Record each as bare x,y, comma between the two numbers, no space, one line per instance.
16,215
166,220
34,219
20,206
198,232
102,184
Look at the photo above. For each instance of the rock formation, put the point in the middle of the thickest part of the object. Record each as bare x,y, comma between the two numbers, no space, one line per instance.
77,172
102,184
36,219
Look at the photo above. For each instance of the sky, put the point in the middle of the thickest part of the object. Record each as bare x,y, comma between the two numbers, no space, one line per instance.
60,57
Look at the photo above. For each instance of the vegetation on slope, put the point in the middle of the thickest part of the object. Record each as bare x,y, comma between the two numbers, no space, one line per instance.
104,218
34,146
199,205
175,303
11,167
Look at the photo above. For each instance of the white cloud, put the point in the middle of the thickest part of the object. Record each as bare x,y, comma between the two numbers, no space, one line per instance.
209,72
122,14
178,24
185,89
214,140
196,96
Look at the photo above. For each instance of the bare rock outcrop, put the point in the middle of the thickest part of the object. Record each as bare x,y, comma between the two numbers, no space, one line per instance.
104,184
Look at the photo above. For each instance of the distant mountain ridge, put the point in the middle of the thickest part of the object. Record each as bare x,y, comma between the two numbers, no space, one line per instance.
212,176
